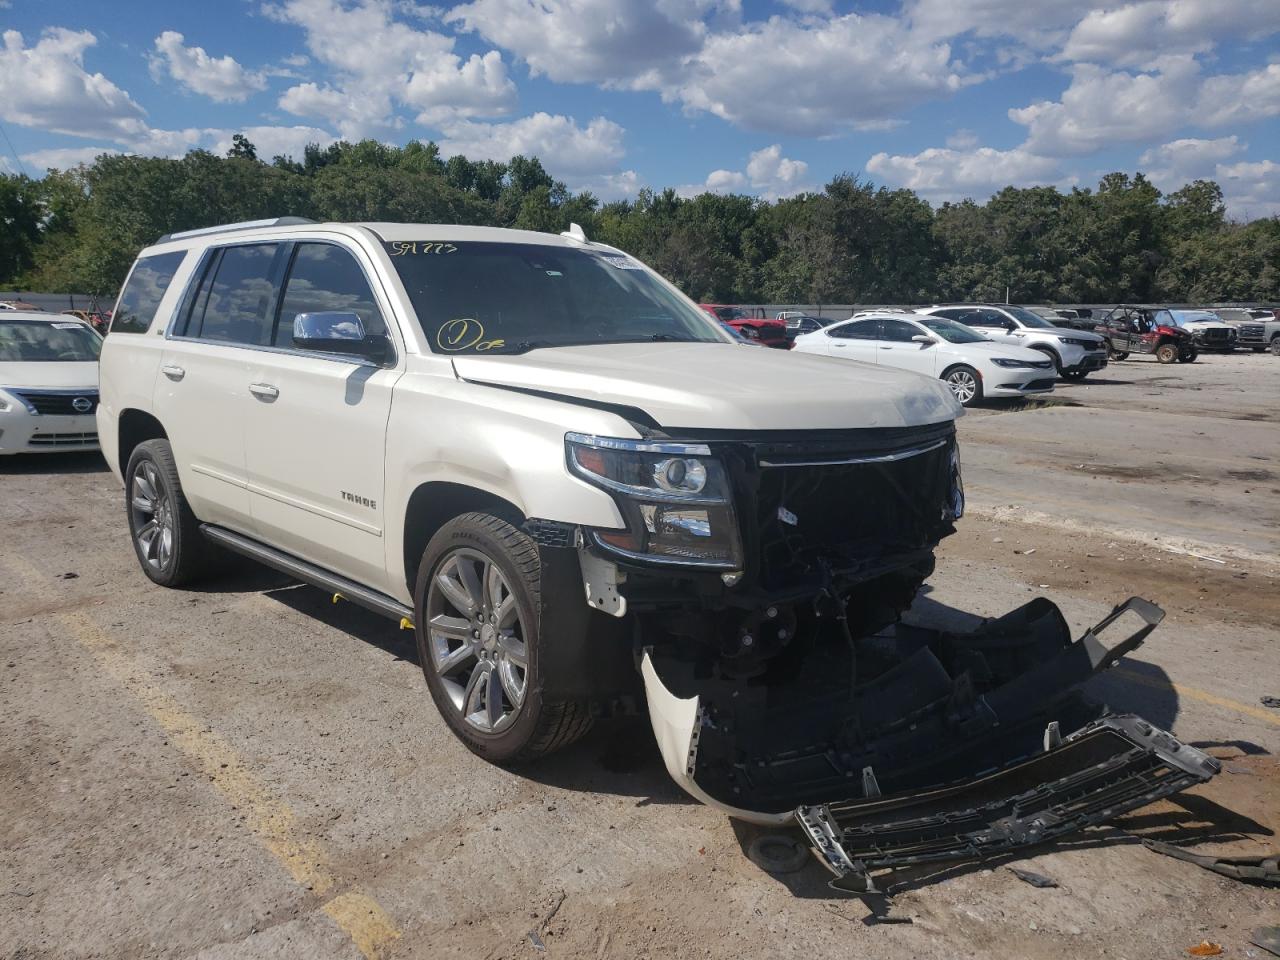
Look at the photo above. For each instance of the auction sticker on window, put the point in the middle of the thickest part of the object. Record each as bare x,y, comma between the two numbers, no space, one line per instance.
622,263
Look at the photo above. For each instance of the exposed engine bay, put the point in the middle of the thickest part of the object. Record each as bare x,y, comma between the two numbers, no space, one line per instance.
792,692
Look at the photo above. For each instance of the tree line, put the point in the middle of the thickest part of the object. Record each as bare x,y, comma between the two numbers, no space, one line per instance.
852,242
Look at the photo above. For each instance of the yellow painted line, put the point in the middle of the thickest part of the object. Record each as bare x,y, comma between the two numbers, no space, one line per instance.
1191,693
268,817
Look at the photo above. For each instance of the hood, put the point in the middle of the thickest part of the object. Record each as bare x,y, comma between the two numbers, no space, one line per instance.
1075,334
52,375
720,386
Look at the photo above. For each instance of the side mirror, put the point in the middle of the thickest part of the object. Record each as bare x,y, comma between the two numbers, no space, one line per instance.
1010,326
924,340
335,331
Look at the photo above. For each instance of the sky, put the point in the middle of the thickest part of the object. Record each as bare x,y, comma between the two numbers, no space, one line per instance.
951,98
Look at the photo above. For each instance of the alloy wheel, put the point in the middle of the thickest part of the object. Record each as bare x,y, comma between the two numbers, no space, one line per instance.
963,385
152,514
477,640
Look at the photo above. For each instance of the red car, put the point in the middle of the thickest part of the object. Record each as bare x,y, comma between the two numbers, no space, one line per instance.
772,333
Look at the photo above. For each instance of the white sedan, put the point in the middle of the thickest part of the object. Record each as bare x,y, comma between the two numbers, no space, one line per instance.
48,383
972,366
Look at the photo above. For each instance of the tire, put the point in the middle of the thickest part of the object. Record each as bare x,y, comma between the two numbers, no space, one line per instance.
1052,355
965,384
1275,346
487,684
1167,353
1114,355
1188,357
176,552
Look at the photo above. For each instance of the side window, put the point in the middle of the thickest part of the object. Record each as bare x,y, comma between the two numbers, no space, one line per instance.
860,330
327,278
988,318
897,331
236,302
951,314
136,307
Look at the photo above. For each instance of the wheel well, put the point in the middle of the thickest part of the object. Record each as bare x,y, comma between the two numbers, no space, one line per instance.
433,505
135,427
1045,348
977,372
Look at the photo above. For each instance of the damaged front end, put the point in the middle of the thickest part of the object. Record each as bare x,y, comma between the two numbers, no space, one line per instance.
783,686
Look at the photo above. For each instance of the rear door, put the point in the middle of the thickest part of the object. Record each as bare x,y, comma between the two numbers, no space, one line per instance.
315,439
895,348
855,340
201,395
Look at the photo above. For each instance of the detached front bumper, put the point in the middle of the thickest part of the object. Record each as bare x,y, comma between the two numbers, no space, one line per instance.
972,744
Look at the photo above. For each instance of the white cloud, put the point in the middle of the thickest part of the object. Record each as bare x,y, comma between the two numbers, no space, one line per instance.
269,141
1101,107
810,6
962,140
1039,25
817,77
1135,33
615,42
1252,189
222,79
47,87
565,148
62,158
609,186
1173,164
380,64
955,174
768,174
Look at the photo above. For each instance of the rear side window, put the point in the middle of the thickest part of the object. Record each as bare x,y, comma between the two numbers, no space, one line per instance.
897,331
136,307
326,278
237,298
861,330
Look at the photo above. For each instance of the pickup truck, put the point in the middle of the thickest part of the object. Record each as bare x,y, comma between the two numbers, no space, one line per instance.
584,498
752,325
1259,329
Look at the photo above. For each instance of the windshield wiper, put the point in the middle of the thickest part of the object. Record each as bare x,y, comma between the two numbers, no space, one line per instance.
671,338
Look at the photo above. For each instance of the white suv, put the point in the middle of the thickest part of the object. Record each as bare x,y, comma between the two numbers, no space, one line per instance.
1076,353
581,494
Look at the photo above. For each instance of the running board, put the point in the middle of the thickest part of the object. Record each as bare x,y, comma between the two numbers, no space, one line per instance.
308,573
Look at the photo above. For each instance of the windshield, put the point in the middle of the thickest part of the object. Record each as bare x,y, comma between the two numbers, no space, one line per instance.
1235,315
951,331
731,313
513,297
38,341
1183,317
1026,317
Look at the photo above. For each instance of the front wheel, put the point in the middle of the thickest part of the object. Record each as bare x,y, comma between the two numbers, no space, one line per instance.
478,623
1167,353
965,384
1275,346
1188,357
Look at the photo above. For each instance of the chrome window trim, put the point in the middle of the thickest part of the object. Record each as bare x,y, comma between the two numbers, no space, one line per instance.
197,276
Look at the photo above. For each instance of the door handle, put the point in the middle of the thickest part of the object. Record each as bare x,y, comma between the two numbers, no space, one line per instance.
840,345
883,347
173,372
264,391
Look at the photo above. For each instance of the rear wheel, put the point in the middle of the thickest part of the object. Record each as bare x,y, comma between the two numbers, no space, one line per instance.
478,620
965,384
1188,357
1167,352
166,534
1115,355
1275,346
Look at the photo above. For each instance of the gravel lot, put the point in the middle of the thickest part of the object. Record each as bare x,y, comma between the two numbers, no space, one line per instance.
249,770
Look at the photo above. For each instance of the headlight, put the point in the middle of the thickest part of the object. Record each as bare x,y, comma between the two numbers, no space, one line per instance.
1010,362
1074,342
956,505
674,497
5,403
751,333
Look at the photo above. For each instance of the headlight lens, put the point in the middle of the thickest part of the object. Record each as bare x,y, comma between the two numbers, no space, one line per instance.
5,403
675,499
1074,342
1010,362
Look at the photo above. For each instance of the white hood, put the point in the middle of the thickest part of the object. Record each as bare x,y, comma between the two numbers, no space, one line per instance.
50,375
724,386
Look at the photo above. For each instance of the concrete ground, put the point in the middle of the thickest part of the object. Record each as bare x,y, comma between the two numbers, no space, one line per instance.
247,770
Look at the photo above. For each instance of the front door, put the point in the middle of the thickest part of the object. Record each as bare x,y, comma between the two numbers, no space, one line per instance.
316,440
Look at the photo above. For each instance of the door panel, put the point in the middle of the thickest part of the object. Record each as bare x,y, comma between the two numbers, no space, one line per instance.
895,348
854,341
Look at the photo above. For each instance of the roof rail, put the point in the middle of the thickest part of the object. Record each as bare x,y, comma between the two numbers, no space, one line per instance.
227,227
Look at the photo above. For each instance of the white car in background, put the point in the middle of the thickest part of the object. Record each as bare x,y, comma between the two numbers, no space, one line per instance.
970,364
48,383
1075,353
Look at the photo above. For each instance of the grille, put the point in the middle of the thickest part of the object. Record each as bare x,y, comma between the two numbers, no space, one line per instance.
62,439
1251,331
1040,384
50,403
1216,335
811,513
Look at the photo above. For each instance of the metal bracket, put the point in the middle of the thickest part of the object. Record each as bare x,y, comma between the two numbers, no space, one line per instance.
600,580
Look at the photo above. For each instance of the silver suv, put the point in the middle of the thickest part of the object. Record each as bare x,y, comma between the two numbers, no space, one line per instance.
1075,353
